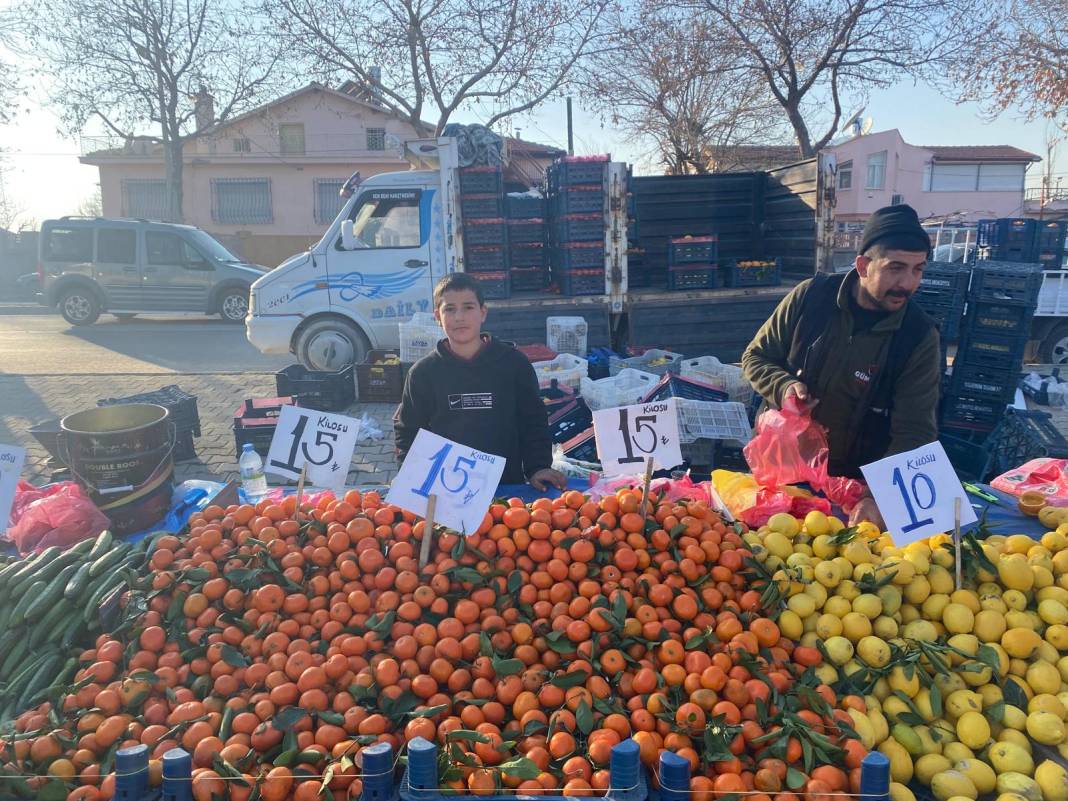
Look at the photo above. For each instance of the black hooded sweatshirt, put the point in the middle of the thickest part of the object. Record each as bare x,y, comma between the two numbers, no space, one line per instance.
490,403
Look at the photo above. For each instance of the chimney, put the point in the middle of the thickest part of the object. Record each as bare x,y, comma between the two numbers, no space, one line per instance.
204,108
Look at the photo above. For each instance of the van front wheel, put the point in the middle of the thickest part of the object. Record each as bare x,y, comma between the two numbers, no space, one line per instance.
79,306
331,345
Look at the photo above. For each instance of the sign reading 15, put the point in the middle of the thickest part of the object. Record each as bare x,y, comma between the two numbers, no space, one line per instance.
323,439
643,433
459,473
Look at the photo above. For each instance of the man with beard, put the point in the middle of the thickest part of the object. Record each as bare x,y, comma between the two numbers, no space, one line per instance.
858,352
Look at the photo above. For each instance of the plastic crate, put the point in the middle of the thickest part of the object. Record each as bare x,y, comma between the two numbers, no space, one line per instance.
380,383
485,258
624,389
971,412
692,250
484,205
537,352
1005,282
1026,435
481,180
578,256
567,334
1050,244
578,199
570,419
181,405
991,350
566,369
579,228
1007,238
725,377
485,232
522,207
946,317
255,421
693,276
945,278
1008,319
674,386
573,283
700,453
582,447
754,272
528,230
579,170
666,362
495,285
970,460
184,448
713,420
527,254
528,279
321,390
419,337
599,360
976,381
554,394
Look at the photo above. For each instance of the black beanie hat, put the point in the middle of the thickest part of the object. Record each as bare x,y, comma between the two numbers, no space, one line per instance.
895,228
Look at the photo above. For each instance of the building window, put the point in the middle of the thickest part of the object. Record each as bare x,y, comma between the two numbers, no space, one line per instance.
845,175
241,201
291,139
876,171
896,200
144,198
376,138
1001,177
242,145
328,200
951,177
68,245
116,246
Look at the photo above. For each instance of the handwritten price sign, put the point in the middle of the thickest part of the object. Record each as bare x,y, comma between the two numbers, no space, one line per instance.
11,460
462,480
324,442
628,435
914,492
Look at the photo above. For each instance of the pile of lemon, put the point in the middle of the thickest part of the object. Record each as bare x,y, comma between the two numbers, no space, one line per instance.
992,721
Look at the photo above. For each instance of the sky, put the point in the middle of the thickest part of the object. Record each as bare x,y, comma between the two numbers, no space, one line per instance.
44,178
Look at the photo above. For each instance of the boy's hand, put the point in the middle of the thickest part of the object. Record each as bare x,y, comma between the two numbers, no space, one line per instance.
548,477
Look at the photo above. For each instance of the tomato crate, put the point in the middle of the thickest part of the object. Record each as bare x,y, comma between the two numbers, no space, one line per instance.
1005,282
578,170
1009,319
579,228
976,381
485,258
380,377
573,283
482,205
531,229
528,279
754,272
996,351
491,231
255,421
694,276
692,250
481,180
538,353
527,254
578,255
320,390
523,207
578,199
495,285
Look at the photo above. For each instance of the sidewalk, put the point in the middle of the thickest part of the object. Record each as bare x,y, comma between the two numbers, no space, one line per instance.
28,400
28,307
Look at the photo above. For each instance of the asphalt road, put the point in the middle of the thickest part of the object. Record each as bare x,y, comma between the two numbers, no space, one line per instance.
45,344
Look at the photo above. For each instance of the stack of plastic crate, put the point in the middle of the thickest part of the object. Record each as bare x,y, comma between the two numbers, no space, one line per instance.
1006,239
995,330
941,294
1051,247
577,231
692,263
528,262
485,229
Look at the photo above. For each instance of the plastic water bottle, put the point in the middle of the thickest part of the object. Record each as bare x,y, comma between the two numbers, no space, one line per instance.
253,481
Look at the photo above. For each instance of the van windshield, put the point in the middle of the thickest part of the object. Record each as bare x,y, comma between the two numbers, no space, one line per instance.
211,246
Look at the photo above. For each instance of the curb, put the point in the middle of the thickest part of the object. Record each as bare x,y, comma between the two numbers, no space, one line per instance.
25,308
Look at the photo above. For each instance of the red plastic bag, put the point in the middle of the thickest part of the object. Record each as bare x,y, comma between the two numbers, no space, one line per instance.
25,494
770,502
63,517
789,447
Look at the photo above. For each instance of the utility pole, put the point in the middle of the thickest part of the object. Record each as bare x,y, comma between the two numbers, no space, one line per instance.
570,131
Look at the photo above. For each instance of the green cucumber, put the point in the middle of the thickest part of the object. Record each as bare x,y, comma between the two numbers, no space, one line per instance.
46,674
72,633
30,567
53,593
100,547
14,657
53,622
23,675
32,593
78,582
97,593
111,558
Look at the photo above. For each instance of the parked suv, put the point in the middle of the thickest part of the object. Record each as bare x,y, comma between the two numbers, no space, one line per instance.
89,266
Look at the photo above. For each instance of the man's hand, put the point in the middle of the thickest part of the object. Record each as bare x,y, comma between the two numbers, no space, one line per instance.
866,510
548,477
800,391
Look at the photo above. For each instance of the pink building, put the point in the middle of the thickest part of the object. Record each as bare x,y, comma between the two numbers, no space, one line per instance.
266,183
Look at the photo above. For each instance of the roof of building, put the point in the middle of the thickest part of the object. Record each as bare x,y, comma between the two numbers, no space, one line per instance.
972,153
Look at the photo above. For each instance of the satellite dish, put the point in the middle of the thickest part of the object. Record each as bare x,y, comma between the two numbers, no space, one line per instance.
852,119
866,126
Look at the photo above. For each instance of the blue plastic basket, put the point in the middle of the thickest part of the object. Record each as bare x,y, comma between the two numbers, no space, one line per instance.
675,386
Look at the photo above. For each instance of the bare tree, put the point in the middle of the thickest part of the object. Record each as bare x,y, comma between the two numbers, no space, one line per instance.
11,77
439,56
668,80
814,54
164,70
92,205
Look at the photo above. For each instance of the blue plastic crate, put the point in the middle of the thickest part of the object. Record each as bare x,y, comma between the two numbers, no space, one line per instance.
1025,435
579,199
484,258
674,386
529,230
694,276
692,250
578,255
991,350
754,272
485,232
1007,238
966,412
494,286
570,420
1005,282
578,171
976,381
527,254
947,278
579,228
587,281
522,207
970,460
528,279
1050,244
481,180
484,205
1007,319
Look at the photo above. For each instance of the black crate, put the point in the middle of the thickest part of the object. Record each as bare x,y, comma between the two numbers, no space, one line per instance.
965,412
528,279
692,250
184,449
971,460
478,206
754,272
485,232
991,350
481,180
1050,244
255,421
569,420
580,282
694,276
582,447
578,171
1008,319
181,405
946,316
495,286
584,199
579,228
1006,239
484,258
527,254
522,207
1005,282
976,381
379,378
675,386
323,391
528,230
945,278
1026,435
578,255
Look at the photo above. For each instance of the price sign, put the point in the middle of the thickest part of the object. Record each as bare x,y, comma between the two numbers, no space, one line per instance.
322,441
11,460
462,480
628,435
915,493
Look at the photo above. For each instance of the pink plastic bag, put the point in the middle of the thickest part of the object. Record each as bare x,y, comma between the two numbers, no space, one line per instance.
789,447
771,502
63,517
1045,475
25,494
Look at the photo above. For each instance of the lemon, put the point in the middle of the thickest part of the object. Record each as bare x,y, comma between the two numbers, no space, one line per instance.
957,752
1015,600
952,783
778,544
961,702
839,649
922,701
1053,612
1045,728
1006,757
973,730
874,651
904,572
826,573
899,792
991,694
1043,678
981,774
894,707
837,606
948,685
1013,718
790,624
920,630
857,552
802,605
930,765
1019,784
967,644
988,625
905,681
958,618
933,606
941,580
1053,780
885,627
785,524
1014,572
824,547
1016,738
1062,667
1047,703
856,626
848,588
1020,642
900,760
968,598
816,523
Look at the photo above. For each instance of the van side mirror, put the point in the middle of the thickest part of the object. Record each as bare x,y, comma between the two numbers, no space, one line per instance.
348,237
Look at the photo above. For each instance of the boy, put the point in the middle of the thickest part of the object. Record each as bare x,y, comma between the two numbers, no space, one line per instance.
478,391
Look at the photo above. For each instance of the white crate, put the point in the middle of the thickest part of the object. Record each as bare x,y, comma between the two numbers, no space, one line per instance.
568,371
628,387
668,362
711,420
418,337
726,377
567,335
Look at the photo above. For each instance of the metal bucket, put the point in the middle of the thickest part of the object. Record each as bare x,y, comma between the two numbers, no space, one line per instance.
123,456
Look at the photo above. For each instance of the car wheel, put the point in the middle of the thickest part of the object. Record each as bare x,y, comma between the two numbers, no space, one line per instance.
1054,348
233,307
79,307
331,345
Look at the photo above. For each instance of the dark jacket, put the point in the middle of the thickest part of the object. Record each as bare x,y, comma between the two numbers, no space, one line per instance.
848,366
490,403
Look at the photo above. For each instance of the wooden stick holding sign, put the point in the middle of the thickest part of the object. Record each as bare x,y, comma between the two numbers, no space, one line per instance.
645,486
956,537
300,490
428,531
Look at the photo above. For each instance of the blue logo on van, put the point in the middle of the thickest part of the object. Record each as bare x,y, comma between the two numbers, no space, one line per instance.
359,285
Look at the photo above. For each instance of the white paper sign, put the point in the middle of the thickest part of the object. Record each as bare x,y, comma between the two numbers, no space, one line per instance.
11,461
322,441
628,435
914,492
462,479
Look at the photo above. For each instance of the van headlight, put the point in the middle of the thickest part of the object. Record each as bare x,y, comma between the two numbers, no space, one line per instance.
252,300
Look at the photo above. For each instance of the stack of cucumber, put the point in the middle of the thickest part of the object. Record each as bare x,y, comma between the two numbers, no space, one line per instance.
49,612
